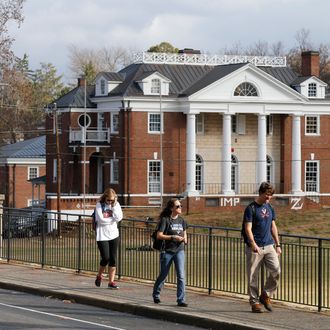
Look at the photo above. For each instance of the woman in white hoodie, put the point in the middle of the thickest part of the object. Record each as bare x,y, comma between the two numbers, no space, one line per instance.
108,213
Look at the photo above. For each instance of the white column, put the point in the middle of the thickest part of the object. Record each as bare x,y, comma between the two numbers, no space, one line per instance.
296,156
191,155
226,155
262,149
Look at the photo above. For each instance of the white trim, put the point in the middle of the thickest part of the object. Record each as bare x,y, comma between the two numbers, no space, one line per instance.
24,161
318,130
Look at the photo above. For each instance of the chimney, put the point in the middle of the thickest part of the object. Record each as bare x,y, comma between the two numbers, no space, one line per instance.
310,63
81,82
189,51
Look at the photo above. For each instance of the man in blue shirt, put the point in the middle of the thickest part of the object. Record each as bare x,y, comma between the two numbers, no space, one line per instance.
262,246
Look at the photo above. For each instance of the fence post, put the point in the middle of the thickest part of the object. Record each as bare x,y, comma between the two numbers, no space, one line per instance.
210,260
79,245
8,236
118,270
43,237
320,275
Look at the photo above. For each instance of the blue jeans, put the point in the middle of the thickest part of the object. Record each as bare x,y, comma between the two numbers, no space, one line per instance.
166,259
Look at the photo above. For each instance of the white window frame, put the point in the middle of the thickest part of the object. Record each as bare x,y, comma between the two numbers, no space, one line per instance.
155,87
315,182
114,171
317,132
157,182
199,175
54,170
59,122
88,120
269,169
199,129
30,169
238,124
234,174
161,117
114,123
270,124
102,86
312,90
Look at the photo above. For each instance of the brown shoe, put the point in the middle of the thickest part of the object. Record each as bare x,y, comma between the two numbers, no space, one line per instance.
256,308
265,300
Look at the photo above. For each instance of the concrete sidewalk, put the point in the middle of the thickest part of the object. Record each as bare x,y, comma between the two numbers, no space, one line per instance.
212,312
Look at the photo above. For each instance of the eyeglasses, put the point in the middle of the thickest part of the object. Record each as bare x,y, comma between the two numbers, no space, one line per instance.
110,200
178,206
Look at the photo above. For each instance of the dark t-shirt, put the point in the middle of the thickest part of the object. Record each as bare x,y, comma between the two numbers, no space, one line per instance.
171,226
262,224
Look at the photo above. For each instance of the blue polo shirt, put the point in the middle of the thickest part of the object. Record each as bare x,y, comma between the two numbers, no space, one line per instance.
262,224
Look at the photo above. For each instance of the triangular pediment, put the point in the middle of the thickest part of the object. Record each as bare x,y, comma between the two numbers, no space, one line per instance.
269,89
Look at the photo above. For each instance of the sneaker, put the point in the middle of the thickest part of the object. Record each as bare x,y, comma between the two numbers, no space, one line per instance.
265,300
98,281
113,285
182,304
256,308
156,300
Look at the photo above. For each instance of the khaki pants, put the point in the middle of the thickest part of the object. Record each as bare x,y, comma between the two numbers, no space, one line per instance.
254,261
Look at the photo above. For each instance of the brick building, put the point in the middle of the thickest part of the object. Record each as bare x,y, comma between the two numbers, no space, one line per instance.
205,127
22,173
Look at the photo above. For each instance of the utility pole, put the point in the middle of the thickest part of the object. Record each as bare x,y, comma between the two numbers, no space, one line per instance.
58,170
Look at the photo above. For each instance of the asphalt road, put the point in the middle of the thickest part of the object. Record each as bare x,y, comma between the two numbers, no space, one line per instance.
25,311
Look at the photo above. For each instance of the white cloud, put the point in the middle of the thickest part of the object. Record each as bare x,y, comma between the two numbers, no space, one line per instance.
50,26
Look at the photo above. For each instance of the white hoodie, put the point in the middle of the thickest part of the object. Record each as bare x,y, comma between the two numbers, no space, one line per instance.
106,222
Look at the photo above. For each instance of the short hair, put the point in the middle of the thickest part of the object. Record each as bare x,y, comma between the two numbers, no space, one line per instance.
266,187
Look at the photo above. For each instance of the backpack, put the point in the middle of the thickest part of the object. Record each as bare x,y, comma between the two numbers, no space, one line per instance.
243,233
158,244
94,223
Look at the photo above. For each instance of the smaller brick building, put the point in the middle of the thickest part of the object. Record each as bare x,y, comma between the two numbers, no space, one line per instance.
22,171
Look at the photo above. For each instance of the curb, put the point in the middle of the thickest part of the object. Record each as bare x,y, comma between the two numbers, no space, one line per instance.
135,309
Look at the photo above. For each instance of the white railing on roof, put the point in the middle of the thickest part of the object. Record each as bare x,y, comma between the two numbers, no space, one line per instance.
205,59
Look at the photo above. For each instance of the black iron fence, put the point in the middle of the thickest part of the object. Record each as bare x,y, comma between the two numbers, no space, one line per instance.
215,258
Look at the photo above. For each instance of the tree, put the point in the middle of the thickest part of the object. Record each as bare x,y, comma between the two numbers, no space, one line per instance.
10,10
89,62
163,47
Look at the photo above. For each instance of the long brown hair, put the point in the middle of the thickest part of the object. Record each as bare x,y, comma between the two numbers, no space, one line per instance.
167,211
108,194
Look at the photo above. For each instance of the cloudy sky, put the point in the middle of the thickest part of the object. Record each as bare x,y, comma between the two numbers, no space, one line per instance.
50,26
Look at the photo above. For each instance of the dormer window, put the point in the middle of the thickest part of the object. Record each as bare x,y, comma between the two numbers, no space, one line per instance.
312,90
245,89
155,86
102,86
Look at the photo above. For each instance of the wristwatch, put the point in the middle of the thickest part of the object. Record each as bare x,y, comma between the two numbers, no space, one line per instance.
278,245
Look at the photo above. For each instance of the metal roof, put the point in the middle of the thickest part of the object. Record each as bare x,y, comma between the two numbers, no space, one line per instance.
32,148
76,98
188,79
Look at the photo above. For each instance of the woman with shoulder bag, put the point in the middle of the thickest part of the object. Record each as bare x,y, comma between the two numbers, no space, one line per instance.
173,231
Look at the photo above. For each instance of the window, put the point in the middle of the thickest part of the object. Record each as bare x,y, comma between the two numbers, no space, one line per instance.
312,90
199,173
114,171
33,172
269,169
245,89
238,124
312,125
199,124
82,120
311,176
154,172
234,124
102,86
115,123
54,170
155,86
154,123
234,173
269,126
